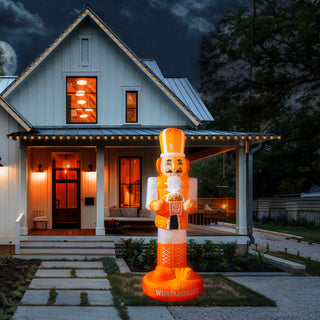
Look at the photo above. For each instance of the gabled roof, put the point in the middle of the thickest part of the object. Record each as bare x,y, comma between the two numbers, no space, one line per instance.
5,105
184,91
154,76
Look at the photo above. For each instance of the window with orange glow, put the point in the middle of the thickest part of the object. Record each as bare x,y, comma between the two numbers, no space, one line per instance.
130,182
131,106
81,99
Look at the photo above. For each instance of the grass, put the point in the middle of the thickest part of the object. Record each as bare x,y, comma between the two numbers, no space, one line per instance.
218,291
84,301
312,267
309,233
73,273
52,297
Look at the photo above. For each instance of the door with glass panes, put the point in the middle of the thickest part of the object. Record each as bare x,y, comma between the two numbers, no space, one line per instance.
66,191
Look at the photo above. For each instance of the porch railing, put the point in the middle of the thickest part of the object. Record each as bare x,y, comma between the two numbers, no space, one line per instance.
21,229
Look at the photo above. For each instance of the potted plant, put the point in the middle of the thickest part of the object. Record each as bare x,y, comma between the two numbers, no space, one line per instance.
114,226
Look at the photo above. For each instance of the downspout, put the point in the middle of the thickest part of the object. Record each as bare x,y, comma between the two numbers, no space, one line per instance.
250,191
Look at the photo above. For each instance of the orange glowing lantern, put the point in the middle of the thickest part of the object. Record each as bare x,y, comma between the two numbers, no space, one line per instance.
172,195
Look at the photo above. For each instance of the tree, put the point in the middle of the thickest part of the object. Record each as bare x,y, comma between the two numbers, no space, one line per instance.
283,95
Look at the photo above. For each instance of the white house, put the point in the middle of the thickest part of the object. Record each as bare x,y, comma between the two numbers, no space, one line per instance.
79,132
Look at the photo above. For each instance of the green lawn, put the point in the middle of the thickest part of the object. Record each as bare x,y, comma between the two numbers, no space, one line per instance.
218,291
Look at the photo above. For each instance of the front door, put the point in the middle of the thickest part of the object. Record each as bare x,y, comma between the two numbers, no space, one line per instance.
66,197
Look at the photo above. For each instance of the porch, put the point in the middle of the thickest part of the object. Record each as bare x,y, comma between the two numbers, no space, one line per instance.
135,230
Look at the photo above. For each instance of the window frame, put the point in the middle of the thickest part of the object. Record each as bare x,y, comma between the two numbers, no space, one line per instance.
136,108
119,179
66,95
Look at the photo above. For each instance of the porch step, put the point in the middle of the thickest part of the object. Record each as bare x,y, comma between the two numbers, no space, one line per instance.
66,247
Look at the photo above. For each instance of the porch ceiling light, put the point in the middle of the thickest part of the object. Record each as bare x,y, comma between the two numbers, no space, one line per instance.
40,168
80,93
82,82
81,101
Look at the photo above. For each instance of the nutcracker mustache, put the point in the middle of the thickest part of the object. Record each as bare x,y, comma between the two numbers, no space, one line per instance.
177,171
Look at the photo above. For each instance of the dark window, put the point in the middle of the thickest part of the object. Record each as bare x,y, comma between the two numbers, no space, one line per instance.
131,106
130,182
81,99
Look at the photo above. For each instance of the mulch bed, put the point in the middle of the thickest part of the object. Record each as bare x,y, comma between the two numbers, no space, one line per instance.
15,277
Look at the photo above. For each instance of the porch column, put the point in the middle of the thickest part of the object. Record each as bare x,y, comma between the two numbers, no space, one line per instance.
100,191
242,202
23,188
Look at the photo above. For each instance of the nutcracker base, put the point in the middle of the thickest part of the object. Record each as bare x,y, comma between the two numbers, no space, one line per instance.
184,284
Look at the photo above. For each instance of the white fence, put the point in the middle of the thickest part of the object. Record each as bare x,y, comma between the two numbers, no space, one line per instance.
294,208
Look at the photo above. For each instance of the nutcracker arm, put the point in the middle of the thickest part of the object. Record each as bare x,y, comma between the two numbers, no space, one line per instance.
152,191
190,205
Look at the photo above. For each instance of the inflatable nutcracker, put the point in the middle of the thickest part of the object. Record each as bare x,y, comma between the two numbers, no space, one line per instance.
172,195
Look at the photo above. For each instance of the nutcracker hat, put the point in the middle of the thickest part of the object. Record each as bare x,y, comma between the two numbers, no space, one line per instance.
172,143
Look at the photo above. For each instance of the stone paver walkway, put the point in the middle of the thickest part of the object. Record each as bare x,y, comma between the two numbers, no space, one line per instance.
69,279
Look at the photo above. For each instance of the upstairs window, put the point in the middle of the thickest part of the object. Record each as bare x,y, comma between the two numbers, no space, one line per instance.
131,106
81,99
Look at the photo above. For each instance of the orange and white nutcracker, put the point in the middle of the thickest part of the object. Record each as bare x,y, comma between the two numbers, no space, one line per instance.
172,195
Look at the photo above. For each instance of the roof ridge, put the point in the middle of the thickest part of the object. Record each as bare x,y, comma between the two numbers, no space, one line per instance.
88,12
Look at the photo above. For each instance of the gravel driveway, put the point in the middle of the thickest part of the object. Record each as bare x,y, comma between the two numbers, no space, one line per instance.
297,299
278,242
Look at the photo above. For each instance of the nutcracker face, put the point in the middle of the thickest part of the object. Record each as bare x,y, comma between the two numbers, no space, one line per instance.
173,166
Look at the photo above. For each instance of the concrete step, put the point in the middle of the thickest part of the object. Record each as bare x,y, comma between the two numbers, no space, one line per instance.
68,244
73,251
60,257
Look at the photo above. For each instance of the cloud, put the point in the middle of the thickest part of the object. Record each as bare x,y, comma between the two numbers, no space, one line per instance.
189,12
127,12
18,21
74,12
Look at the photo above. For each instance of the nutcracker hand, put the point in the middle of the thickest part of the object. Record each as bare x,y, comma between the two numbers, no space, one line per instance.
159,206
190,206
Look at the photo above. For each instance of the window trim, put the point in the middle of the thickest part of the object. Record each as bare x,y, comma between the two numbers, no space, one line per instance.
89,38
66,95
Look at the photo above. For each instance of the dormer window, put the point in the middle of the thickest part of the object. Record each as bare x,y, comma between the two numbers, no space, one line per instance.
81,99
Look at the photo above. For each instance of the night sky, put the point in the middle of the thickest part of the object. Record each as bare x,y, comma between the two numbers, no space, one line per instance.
169,31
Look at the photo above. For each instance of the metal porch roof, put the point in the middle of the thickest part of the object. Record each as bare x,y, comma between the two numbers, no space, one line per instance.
96,133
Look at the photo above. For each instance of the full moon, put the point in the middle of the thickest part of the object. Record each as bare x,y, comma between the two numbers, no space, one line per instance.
8,59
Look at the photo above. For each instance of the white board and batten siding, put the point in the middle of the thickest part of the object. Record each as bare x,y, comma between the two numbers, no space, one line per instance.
42,97
9,179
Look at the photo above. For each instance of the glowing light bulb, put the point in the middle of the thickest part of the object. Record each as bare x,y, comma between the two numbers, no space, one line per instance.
81,101
80,93
82,82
